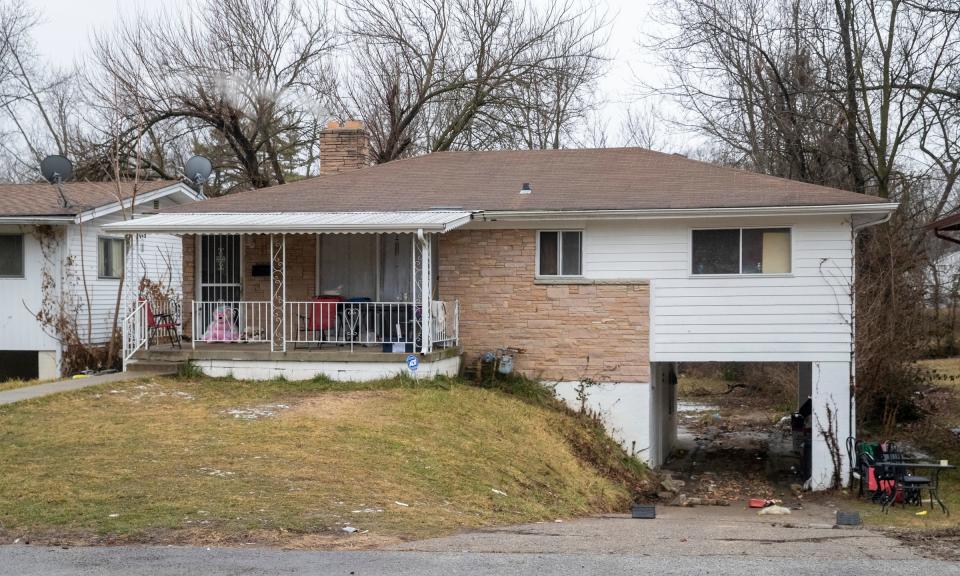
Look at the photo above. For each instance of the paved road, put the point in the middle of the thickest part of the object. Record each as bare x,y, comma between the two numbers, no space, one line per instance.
137,561
48,388
729,540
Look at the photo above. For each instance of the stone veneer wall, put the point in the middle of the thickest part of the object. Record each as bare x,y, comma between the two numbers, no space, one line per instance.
568,331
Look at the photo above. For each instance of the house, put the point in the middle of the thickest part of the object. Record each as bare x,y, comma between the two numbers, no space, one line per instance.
585,265
60,270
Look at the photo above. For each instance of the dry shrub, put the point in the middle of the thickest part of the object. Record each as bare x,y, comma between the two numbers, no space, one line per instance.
891,334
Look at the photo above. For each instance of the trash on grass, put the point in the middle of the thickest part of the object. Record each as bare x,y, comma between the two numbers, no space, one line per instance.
398,503
500,492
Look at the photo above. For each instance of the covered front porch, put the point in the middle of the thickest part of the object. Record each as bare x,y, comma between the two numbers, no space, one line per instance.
263,291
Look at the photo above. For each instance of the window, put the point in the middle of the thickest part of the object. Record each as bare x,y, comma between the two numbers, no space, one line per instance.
560,253
11,255
109,257
741,251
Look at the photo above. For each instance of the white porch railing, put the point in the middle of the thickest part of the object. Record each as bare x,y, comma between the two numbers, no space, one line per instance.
391,325
135,332
231,322
445,323
354,323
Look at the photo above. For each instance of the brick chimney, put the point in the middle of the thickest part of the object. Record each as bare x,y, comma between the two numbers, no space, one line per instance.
344,146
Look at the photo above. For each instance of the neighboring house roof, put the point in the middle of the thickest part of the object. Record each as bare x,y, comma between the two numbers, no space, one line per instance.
561,180
44,199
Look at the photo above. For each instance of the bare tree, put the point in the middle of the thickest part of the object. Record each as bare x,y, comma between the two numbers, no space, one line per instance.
440,74
246,80
857,94
38,107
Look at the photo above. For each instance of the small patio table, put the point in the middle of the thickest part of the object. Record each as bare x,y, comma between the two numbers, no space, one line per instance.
934,486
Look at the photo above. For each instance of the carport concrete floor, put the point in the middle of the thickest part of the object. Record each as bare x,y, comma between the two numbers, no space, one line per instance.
698,531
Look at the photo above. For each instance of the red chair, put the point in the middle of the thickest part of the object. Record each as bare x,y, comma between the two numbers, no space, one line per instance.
321,316
167,323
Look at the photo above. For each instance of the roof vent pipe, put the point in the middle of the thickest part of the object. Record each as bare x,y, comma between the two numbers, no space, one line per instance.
525,188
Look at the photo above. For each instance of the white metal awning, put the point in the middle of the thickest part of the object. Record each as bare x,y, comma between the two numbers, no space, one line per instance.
294,222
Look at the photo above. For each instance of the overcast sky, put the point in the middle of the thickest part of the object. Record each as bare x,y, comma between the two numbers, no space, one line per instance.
69,24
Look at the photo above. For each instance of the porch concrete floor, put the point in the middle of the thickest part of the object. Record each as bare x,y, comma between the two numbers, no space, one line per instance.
164,352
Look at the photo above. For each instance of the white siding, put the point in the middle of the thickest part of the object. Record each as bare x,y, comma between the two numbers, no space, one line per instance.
158,258
22,298
802,316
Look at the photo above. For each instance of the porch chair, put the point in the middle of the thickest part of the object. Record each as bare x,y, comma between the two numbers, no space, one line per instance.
166,322
320,318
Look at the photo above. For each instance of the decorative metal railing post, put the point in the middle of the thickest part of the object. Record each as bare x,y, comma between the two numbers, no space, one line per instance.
278,267
426,294
415,282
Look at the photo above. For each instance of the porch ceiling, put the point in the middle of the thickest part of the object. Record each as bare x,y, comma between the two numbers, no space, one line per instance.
295,222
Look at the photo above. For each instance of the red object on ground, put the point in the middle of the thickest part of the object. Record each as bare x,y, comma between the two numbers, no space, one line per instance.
757,503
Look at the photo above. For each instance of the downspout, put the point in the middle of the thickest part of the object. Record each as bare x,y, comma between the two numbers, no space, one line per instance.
426,330
851,415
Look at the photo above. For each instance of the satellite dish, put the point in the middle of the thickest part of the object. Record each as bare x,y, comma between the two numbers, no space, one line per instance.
56,169
198,169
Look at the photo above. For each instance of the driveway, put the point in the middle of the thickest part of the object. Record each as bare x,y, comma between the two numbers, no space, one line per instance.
684,541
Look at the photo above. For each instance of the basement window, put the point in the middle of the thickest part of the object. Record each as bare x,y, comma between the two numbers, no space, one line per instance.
559,253
741,251
11,255
109,257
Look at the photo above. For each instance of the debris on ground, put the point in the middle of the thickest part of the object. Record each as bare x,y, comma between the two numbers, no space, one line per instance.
499,492
942,544
350,529
687,502
256,412
774,511
398,503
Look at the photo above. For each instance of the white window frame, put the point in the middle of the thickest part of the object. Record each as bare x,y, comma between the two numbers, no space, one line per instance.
740,273
559,273
123,253
23,257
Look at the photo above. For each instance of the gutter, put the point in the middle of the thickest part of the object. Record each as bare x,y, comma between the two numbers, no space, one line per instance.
665,213
36,220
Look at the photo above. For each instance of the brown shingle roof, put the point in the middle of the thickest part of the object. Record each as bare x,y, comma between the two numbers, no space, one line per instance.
585,179
44,200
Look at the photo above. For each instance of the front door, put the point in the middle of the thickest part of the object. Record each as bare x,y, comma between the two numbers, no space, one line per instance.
220,286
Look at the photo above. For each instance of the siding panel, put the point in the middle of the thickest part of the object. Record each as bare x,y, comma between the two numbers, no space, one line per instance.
799,317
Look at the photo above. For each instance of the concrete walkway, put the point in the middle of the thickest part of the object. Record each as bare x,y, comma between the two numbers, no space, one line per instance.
47,388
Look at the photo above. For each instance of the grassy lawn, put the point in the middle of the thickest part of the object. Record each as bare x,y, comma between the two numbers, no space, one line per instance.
934,437
15,383
222,461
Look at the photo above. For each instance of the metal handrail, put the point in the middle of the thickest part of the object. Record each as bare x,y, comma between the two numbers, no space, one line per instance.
135,332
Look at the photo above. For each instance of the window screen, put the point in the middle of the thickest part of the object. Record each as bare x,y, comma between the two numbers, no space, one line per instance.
741,251
110,257
11,255
560,253
716,251
766,251
549,253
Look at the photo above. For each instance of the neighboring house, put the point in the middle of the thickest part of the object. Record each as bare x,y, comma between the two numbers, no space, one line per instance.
605,265
57,261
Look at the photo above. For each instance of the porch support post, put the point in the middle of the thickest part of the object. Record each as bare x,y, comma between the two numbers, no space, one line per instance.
425,290
831,425
277,292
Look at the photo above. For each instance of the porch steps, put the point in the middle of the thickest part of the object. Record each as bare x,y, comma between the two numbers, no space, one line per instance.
152,365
